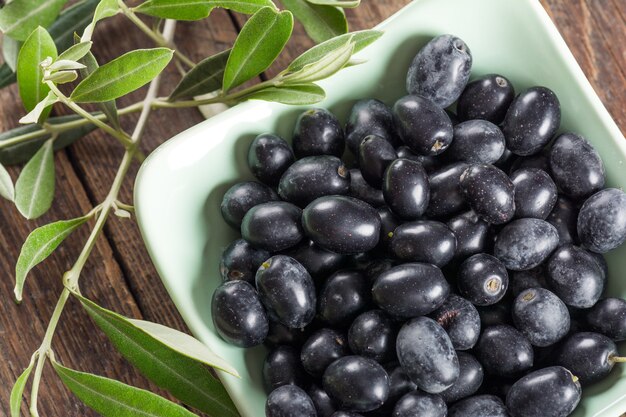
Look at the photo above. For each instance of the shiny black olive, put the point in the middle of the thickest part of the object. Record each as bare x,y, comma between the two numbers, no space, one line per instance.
427,241
268,157
342,224
406,189
273,226
318,132
242,197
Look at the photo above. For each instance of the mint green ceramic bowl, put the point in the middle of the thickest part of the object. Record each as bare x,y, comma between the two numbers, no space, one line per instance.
181,184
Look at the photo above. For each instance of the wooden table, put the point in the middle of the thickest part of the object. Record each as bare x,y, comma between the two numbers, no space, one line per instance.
119,274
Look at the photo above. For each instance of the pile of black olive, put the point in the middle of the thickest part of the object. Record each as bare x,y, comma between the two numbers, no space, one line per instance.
451,264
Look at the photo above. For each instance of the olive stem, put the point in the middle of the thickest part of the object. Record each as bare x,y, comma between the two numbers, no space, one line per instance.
155,36
118,134
617,359
102,211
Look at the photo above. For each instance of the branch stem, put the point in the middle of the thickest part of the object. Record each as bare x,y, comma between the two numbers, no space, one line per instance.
159,39
102,212
118,134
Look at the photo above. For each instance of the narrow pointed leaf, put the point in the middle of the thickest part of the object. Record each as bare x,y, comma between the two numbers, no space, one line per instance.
325,67
72,20
39,244
76,52
6,184
65,64
20,17
34,189
37,47
360,39
18,389
22,152
7,76
172,360
346,4
10,50
258,44
290,94
108,107
320,22
122,75
198,9
112,398
105,9
242,6
35,114
175,9
204,78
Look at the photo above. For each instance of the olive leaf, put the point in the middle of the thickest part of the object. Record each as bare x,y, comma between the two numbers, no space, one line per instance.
75,52
242,6
122,75
10,50
20,17
325,67
346,4
320,22
360,39
204,78
198,9
34,189
295,94
112,398
105,9
22,152
6,184
39,244
175,9
258,44
72,20
171,359
109,108
18,388
37,47
36,113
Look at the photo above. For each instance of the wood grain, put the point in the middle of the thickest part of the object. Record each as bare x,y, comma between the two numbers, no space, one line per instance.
120,274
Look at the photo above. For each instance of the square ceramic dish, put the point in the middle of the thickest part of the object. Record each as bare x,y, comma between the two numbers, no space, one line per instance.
180,186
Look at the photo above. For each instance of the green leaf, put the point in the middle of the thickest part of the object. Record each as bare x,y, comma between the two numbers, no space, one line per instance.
198,9
325,67
112,398
175,9
39,244
171,359
320,22
35,114
204,78
7,76
108,107
242,6
72,20
10,51
18,389
20,17
122,75
290,94
34,189
258,44
346,4
6,184
76,52
37,47
360,39
22,152
105,9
